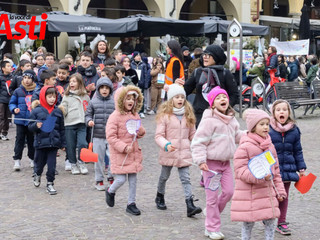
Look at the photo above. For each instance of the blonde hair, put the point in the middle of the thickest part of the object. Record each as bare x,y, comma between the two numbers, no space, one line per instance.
81,87
290,117
166,108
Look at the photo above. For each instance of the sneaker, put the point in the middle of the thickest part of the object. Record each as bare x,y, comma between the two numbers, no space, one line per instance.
132,209
31,163
283,229
213,235
100,186
151,112
36,180
50,189
4,138
17,165
74,169
142,115
110,198
67,165
83,168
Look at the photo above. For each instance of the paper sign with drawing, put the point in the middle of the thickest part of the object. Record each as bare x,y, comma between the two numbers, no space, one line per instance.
260,166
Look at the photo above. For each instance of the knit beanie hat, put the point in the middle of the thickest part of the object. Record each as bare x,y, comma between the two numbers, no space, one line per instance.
25,57
214,93
30,73
259,60
184,48
253,116
217,53
175,89
134,54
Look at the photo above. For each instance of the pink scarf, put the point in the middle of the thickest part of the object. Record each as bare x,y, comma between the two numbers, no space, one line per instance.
223,117
264,143
279,127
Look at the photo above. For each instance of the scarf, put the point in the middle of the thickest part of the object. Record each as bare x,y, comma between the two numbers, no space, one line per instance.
29,88
178,111
88,72
223,117
75,92
264,143
279,127
101,56
268,59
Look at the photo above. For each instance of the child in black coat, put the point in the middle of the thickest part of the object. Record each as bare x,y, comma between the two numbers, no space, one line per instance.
47,141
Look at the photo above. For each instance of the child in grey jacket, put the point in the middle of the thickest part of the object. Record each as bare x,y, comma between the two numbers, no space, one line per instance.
99,109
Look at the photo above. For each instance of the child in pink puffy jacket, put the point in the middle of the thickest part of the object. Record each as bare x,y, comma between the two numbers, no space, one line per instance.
175,130
212,148
256,199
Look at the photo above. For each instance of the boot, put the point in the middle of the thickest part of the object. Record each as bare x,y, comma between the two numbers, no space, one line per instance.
132,209
110,198
160,201
191,209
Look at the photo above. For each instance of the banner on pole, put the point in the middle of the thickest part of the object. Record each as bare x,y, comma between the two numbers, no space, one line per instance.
299,47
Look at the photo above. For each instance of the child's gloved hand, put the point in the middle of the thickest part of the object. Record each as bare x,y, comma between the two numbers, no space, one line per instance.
204,167
16,110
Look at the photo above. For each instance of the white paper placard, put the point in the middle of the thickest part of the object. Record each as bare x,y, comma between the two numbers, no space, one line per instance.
160,78
260,165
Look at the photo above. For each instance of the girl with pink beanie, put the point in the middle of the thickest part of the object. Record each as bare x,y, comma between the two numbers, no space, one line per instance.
256,199
212,148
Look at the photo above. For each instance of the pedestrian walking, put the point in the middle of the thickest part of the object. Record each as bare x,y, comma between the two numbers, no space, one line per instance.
212,149
125,153
285,136
175,131
256,199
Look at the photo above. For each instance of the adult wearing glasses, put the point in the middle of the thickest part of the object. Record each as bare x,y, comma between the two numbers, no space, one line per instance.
213,58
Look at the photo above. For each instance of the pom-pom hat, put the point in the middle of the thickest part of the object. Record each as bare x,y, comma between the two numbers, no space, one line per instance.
214,93
30,73
175,89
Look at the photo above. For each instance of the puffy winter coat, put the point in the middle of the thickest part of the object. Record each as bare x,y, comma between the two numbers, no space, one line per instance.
100,108
89,75
254,199
145,78
119,138
171,129
54,139
4,88
21,98
289,153
216,137
294,71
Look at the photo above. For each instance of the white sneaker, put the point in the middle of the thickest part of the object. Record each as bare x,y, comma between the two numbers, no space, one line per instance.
4,138
83,168
151,112
74,169
67,165
31,163
221,234
17,165
142,115
212,235
100,186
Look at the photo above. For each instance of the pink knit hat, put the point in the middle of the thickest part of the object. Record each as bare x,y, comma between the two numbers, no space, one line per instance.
214,93
253,116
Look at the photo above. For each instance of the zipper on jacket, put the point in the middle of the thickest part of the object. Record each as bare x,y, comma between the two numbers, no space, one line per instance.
282,134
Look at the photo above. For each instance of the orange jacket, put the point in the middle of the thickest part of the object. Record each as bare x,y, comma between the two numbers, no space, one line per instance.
169,72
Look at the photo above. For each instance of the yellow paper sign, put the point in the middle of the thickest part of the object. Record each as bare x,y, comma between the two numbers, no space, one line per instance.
269,157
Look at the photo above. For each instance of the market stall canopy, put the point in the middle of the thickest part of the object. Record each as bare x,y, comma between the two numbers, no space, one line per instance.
248,29
148,26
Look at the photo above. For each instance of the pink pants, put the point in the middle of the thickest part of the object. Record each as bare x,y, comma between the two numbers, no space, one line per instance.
215,203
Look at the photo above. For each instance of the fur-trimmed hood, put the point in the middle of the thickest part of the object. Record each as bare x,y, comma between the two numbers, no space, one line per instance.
36,103
120,96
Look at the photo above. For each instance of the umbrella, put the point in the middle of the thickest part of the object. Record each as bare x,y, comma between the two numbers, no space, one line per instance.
304,27
141,25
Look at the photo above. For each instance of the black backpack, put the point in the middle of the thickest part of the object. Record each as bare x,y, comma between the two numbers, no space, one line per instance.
209,78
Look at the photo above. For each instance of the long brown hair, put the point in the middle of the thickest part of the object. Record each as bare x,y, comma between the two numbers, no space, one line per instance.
81,87
95,50
290,116
166,108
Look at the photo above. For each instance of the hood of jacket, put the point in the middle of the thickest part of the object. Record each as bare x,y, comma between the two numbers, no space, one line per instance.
120,96
104,81
43,101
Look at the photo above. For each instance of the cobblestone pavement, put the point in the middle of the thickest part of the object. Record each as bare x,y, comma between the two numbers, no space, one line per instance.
79,211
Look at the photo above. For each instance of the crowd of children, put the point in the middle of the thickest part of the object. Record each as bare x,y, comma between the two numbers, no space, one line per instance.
62,106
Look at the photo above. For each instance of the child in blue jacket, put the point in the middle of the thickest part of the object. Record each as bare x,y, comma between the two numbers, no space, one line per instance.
285,136
48,140
20,106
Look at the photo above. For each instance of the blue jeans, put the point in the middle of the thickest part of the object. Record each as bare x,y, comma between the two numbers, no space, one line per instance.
76,138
